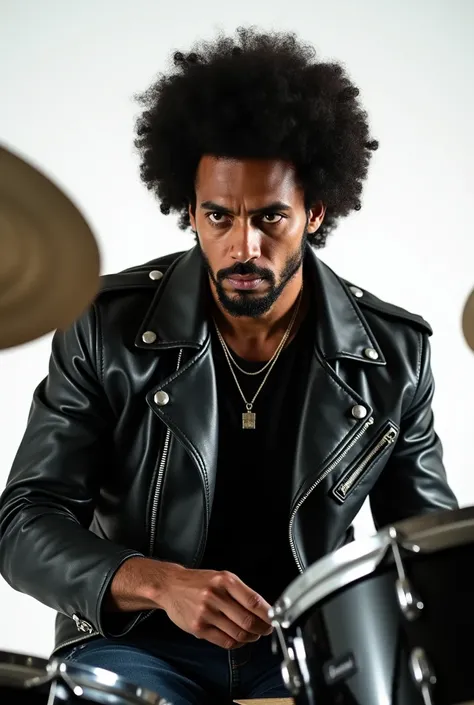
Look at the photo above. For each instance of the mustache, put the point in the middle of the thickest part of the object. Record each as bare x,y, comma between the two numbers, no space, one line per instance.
245,268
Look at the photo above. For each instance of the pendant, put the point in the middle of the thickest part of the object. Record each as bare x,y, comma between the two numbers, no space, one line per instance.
248,420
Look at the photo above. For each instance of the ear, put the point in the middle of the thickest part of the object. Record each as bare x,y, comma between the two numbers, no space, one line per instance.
316,216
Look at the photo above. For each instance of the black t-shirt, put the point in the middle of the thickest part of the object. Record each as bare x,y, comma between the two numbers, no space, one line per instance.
249,527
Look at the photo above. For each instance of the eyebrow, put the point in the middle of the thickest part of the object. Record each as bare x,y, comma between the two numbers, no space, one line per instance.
275,206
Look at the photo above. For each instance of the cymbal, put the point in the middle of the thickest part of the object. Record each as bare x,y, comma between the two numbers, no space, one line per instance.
468,320
49,258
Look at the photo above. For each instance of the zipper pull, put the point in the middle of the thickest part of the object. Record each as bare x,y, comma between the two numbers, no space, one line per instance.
82,625
390,436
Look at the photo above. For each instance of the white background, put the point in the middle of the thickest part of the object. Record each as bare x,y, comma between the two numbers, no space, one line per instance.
68,74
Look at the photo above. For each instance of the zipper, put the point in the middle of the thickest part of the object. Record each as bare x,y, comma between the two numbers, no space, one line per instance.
159,479
75,640
323,475
343,488
156,496
153,523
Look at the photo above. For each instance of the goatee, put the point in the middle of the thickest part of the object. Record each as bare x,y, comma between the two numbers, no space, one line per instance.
249,303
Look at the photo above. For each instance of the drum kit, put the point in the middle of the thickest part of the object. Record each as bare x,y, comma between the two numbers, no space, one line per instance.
386,620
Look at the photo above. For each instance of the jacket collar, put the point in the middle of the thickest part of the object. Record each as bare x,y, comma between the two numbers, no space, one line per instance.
178,315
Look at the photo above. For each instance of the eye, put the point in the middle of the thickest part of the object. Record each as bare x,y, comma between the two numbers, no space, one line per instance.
272,218
216,218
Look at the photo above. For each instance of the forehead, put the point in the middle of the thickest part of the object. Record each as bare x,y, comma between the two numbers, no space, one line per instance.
249,180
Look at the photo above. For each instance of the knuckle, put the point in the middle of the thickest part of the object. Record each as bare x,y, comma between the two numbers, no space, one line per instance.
229,643
242,636
217,581
227,577
206,595
253,601
249,623
197,625
202,614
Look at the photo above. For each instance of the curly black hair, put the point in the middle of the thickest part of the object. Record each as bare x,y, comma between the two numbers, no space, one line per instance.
255,95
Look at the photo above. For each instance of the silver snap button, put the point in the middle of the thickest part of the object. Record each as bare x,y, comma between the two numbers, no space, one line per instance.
371,354
359,412
161,398
358,293
149,336
155,275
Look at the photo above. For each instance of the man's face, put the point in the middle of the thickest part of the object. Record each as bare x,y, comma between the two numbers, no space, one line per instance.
252,226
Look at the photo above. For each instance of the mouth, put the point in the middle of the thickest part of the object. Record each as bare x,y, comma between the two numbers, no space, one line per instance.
245,283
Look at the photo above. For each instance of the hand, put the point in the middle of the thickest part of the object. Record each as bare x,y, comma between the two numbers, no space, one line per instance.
216,606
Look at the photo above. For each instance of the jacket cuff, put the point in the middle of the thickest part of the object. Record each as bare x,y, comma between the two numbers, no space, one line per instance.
115,624
105,623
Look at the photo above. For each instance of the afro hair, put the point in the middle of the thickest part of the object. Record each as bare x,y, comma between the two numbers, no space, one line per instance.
255,95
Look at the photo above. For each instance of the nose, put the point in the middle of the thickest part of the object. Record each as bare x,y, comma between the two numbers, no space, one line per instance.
245,242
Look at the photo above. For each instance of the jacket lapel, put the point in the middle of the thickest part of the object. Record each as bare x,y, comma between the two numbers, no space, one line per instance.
333,416
177,319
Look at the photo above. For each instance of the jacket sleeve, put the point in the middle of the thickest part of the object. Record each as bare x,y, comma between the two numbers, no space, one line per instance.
46,549
414,480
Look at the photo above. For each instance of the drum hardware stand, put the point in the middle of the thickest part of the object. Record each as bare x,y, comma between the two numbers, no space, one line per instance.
411,607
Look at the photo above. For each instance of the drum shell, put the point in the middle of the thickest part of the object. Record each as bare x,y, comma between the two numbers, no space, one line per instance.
360,635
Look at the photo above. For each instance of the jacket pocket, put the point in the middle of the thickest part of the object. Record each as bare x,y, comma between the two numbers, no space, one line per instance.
361,466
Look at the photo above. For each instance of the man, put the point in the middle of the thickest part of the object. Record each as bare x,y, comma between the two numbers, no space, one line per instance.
216,420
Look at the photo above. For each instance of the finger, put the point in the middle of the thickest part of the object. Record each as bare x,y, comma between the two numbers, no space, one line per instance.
219,638
241,617
229,627
248,598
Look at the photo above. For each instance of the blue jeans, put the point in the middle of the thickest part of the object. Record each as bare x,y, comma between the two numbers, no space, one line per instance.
188,671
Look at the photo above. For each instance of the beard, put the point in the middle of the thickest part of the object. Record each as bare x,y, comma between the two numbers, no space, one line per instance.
250,303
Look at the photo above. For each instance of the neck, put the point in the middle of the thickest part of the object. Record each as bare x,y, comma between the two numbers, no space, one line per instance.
257,338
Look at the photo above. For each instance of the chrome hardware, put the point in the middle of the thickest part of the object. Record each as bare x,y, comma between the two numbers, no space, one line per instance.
73,687
290,675
82,625
161,398
371,354
409,602
149,337
323,475
289,667
359,412
344,487
422,674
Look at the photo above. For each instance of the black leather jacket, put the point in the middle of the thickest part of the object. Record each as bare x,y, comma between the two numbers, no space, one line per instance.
110,468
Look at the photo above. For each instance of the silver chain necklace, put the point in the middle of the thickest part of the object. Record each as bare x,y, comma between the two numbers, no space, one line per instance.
249,417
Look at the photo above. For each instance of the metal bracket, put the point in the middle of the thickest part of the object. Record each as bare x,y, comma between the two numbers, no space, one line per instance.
289,667
409,602
422,674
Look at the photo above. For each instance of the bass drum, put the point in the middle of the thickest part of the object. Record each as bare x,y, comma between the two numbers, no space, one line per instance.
385,621
28,680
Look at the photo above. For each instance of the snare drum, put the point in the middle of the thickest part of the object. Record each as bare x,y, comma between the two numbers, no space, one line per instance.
385,621
27,680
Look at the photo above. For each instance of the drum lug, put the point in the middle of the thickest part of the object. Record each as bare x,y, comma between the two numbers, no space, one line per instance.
409,602
289,667
291,676
422,674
